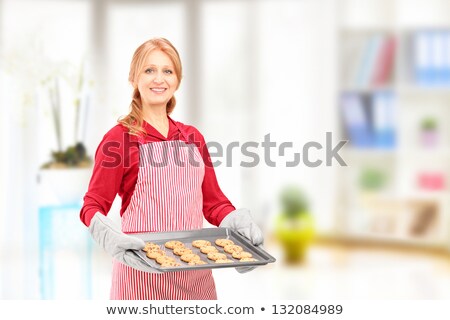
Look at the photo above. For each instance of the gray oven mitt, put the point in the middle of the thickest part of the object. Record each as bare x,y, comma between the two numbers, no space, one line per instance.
242,222
118,244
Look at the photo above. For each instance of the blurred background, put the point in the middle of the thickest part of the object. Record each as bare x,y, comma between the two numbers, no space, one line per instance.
373,72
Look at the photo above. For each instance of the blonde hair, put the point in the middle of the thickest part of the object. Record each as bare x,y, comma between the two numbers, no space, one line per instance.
133,120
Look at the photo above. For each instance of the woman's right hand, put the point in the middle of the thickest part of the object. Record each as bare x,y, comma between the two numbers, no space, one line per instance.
118,244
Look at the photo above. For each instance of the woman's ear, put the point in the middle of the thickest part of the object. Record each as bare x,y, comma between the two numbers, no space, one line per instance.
133,83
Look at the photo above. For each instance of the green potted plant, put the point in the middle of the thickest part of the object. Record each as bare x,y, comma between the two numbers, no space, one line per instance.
75,155
429,132
372,179
294,224
68,172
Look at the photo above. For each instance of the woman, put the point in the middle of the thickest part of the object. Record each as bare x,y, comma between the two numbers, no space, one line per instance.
162,171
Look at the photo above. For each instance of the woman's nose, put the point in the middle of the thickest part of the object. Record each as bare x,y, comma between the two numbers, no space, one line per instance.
158,78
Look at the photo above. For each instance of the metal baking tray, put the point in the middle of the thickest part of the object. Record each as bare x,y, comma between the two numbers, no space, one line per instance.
210,234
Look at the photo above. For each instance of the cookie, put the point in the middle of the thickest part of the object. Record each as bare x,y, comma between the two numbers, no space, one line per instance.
179,251
170,264
247,259
223,242
200,243
163,258
208,249
189,257
224,261
150,246
241,254
173,244
153,254
216,256
196,262
232,248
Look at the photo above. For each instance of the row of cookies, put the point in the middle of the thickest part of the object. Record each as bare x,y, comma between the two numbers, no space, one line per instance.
237,252
153,251
185,254
212,253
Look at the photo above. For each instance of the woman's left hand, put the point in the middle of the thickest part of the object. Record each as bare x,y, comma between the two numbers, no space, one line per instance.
241,221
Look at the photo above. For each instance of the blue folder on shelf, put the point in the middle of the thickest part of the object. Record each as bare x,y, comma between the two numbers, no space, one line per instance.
423,58
356,120
383,115
446,53
432,58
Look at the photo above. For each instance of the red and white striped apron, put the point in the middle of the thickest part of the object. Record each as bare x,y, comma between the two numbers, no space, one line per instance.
167,197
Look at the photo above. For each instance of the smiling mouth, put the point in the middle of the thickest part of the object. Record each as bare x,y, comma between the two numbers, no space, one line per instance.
158,90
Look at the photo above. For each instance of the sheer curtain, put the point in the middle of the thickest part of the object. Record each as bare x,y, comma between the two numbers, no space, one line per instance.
268,68
36,36
296,92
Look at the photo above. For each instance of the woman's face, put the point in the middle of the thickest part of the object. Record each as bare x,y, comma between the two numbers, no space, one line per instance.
157,81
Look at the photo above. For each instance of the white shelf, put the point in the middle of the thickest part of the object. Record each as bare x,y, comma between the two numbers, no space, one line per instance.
422,90
367,90
440,195
394,240
359,25
368,29
417,154
369,153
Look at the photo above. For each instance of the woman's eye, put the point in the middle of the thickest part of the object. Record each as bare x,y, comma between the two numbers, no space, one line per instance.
168,71
149,70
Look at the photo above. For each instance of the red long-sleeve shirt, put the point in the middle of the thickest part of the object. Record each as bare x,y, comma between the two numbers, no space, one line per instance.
117,165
